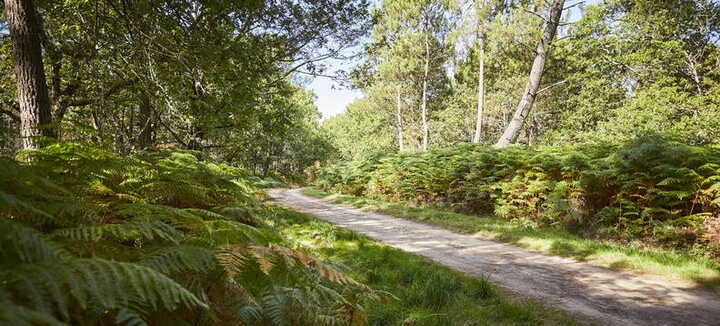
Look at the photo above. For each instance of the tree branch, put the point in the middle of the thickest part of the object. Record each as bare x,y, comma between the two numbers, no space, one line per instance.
177,138
550,86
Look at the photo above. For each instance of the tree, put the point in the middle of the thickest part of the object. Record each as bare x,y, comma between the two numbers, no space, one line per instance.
26,33
362,130
406,60
199,75
483,14
513,129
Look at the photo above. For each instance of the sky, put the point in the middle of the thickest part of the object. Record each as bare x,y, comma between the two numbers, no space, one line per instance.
331,98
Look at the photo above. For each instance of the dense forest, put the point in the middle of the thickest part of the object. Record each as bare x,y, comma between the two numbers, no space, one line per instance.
439,73
137,136
224,78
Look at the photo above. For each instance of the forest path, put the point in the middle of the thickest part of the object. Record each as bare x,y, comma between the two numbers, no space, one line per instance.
597,295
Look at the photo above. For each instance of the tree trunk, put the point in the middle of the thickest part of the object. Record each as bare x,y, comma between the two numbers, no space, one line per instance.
525,105
481,89
26,33
146,122
398,115
426,127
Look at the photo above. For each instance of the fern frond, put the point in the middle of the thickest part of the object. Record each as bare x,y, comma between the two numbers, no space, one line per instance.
149,230
126,317
9,202
174,216
23,245
248,315
15,315
231,232
55,286
182,258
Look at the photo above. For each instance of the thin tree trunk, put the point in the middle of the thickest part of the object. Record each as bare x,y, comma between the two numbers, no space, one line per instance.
481,89
426,127
398,115
33,99
523,109
146,122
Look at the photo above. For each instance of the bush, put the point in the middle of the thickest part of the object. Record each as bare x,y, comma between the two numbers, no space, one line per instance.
90,237
652,189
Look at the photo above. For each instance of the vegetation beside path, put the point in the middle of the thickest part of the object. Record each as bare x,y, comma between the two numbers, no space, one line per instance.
424,292
666,262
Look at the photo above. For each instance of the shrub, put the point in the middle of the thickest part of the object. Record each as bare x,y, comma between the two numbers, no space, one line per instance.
90,237
652,189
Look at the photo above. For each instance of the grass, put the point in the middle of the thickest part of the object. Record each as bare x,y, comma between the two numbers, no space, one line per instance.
422,293
700,271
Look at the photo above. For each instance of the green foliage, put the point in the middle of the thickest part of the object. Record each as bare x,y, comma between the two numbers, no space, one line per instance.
90,237
655,189
423,293
623,68
221,77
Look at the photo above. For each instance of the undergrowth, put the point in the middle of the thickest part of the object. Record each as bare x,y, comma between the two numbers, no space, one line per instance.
89,237
654,190
423,293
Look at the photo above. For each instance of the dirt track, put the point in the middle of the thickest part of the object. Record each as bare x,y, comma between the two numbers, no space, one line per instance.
593,294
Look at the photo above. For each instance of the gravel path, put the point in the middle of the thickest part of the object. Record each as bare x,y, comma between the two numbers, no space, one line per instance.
593,294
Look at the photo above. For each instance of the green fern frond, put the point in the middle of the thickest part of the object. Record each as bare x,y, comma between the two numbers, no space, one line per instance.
248,315
9,202
182,258
23,245
174,216
56,286
126,317
15,315
231,232
149,230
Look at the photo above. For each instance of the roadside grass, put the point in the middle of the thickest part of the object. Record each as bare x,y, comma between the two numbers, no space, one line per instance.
701,271
421,293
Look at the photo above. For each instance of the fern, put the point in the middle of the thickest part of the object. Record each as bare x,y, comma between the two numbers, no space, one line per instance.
91,237
23,245
184,258
16,315
627,189
149,230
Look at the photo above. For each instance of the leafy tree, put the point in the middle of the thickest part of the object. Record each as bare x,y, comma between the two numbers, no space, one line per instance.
140,74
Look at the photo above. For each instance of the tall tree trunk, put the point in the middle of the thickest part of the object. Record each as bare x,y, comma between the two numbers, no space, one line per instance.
146,122
523,109
481,89
398,116
426,127
26,33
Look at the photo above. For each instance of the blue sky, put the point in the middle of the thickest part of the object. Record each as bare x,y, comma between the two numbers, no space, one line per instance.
332,101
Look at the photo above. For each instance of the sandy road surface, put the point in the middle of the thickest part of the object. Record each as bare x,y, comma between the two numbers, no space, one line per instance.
594,294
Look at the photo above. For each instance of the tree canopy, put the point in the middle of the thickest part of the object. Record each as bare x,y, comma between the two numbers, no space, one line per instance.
616,70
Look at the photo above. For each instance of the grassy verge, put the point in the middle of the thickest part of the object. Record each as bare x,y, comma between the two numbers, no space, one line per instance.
425,293
676,265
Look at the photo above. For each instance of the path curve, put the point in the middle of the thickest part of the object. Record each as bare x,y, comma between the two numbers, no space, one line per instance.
597,295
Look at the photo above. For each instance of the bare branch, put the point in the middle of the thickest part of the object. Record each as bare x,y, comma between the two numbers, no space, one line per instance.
574,5
536,14
548,87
